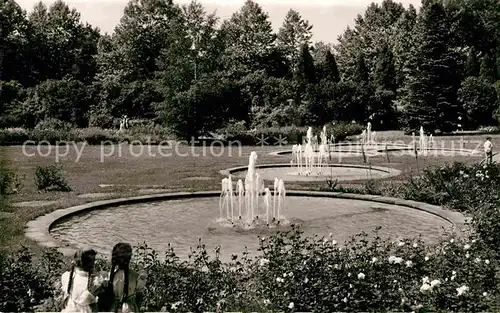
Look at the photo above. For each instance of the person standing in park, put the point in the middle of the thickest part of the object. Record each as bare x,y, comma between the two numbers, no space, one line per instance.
488,150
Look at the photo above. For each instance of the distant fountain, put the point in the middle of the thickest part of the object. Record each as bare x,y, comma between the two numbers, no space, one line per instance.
309,158
309,135
323,148
423,140
369,133
252,199
367,136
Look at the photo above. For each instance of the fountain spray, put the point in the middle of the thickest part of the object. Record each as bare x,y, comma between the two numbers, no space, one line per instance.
281,199
276,182
222,195
230,189
241,192
267,195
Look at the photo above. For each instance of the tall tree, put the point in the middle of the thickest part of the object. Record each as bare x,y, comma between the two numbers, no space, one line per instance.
205,41
293,34
433,83
12,35
249,39
381,108
147,28
331,70
60,44
385,73
403,39
371,31
306,71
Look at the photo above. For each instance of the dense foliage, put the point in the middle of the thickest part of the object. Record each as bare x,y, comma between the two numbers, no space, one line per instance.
181,67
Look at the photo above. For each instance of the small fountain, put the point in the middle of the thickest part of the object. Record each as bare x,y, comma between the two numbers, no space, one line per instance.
369,133
253,200
425,142
308,158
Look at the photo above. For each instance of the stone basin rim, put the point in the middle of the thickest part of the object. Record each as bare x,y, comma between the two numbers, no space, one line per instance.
394,172
393,148
38,229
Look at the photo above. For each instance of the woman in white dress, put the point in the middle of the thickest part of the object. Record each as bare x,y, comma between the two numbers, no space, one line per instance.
77,283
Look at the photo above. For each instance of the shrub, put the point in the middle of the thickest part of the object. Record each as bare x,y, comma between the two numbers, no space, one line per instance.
10,182
53,124
14,136
25,283
53,136
95,136
456,185
343,130
50,178
101,120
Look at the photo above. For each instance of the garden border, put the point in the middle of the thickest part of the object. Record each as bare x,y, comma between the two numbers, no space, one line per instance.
39,228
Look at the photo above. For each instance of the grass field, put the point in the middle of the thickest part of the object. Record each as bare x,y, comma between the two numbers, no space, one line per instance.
186,169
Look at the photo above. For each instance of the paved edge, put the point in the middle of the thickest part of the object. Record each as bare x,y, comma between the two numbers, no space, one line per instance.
39,228
391,171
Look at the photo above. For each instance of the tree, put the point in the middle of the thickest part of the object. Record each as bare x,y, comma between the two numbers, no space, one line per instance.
306,71
479,100
60,44
371,31
433,81
249,39
65,100
205,48
204,107
403,45
12,35
381,111
295,33
330,69
146,30
384,76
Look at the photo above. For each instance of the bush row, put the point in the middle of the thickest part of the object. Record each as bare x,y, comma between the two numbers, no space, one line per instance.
93,136
151,133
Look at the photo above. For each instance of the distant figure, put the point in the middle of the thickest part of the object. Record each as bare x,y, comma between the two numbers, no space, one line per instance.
77,283
125,285
488,150
124,123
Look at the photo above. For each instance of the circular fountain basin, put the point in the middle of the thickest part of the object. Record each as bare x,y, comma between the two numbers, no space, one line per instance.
353,149
340,172
182,221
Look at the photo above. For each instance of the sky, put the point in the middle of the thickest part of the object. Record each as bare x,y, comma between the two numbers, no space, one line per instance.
328,17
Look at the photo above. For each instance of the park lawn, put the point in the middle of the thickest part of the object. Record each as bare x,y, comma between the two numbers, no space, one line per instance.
198,170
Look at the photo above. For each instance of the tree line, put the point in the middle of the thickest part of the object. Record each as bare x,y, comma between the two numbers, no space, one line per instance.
182,67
